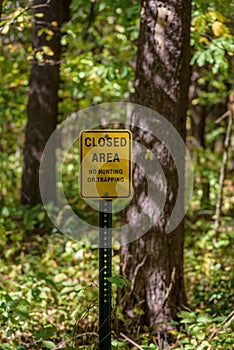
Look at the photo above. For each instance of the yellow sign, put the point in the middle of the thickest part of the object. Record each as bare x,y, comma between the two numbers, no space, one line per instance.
105,164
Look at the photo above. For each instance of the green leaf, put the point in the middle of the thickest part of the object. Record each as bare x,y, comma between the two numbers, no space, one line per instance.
45,332
187,317
5,212
3,238
5,346
41,216
9,333
21,347
204,318
119,281
39,56
39,15
201,60
222,243
123,71
204,345
20,308
49,344
151,346
138,310
48,51
67,290
35,292
117,344
41,32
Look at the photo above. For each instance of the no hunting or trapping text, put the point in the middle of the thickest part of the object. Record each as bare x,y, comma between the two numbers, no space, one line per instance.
105,164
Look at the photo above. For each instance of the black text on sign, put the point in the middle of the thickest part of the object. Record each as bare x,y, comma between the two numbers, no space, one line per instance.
106,164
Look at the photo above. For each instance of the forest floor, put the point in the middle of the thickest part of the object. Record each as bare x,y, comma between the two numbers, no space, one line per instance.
49,288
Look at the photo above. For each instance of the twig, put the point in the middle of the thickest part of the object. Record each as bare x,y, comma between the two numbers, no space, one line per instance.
223,172
131,341
224,325
223,116
26,9
230,318
47,62
170,286
61,344
86,333
168,291
136,271
126,295
40,6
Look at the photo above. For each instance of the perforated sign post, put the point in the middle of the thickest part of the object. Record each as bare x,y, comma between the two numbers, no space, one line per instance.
105,175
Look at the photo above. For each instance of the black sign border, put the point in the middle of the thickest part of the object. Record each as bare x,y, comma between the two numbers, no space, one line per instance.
108,131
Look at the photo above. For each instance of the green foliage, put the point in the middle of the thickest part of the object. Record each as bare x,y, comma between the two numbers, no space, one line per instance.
212,42
120,281
202,331
45,291
49,289
45,332
101,66
14,73
97,66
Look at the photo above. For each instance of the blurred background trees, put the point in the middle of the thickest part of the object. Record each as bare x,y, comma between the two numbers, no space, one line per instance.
42,108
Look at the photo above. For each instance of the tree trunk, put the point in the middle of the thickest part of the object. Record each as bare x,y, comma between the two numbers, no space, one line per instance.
198,111
223,170
43,95
154,263
1,1
198,123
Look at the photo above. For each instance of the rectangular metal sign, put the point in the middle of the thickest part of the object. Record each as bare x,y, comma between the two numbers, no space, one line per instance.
105,164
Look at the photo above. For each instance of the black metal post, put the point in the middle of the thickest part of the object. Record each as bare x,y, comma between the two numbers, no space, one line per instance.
105,259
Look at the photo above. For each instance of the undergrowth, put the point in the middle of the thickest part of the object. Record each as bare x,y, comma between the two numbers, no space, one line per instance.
49,288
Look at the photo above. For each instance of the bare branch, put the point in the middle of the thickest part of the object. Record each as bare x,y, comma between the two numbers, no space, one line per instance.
223,170
131,341
224,325
136,271
223,116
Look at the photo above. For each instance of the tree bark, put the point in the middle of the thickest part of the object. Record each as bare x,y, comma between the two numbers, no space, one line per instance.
198,111
198,123
1,2
43,96
223,170
154,263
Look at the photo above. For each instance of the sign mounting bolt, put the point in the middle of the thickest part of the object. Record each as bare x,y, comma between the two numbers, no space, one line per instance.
106,135
105,193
